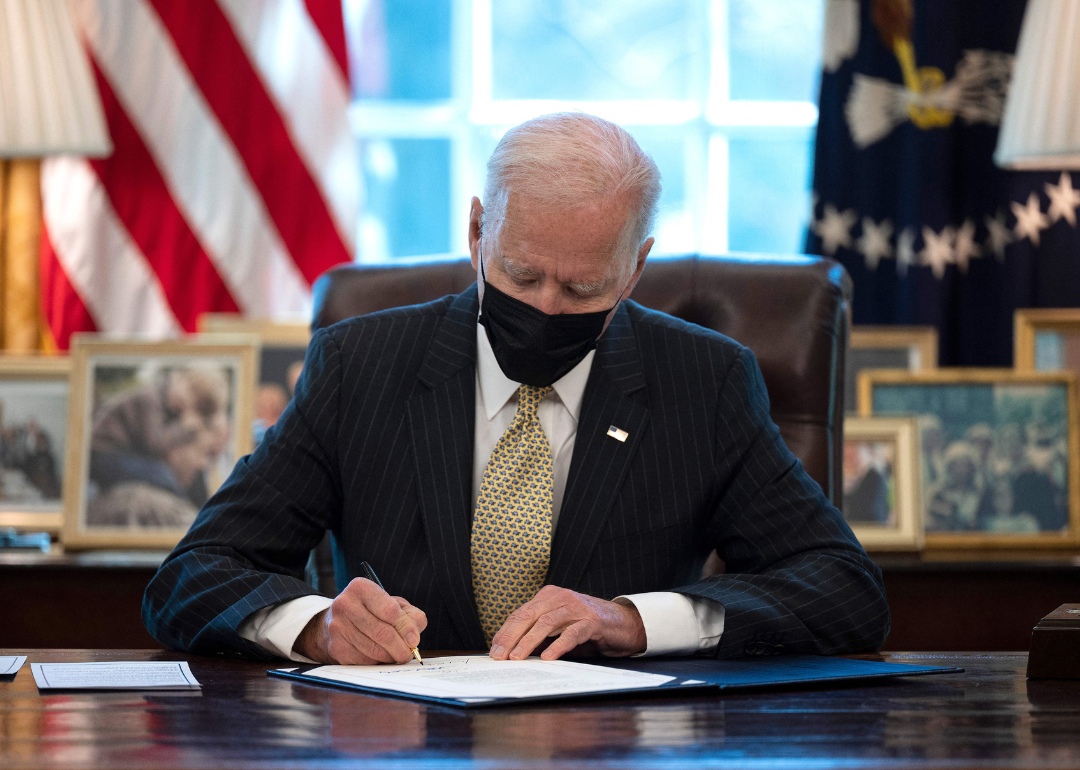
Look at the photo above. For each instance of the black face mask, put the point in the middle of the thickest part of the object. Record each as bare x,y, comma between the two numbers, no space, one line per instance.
531,346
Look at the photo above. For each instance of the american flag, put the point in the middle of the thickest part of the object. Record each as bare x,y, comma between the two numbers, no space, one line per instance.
233,183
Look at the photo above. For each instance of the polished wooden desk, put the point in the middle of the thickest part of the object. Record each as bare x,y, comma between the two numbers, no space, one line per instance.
990,716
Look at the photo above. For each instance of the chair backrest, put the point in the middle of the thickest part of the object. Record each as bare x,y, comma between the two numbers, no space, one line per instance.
792,312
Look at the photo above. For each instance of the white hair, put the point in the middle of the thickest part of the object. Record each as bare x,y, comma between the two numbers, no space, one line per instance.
568,160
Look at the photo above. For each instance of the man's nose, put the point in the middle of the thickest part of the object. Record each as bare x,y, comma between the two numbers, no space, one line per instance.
549,299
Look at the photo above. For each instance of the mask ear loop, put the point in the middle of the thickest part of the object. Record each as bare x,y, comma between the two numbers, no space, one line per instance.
480,256
483,273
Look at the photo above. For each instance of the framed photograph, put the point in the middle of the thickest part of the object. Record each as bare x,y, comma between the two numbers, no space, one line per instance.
280,363
912,348
33,432
1046,340
1000,452
883,482
153,430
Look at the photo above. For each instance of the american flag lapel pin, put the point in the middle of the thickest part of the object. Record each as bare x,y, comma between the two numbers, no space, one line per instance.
617,433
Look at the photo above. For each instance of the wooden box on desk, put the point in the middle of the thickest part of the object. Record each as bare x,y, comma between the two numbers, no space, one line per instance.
1055,645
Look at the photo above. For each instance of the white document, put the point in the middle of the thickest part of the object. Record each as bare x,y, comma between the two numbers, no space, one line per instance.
10,664
478,678
171,675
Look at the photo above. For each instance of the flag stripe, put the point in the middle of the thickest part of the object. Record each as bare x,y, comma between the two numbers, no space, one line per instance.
208,45
305,82
201,168
143,204
234,182
61,306
102,263
329,18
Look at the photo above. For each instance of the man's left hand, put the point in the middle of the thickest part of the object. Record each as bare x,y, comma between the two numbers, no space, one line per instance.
579,621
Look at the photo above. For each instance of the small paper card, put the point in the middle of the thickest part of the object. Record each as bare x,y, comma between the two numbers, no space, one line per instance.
164,675
10,664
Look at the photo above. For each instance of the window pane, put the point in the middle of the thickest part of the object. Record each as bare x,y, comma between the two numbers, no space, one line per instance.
590,49
769,194
407,190
400,49
775,49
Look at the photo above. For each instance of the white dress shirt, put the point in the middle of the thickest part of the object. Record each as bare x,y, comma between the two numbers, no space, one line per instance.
674,623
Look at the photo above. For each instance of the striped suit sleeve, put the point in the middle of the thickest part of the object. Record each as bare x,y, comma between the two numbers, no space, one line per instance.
248,547
797,579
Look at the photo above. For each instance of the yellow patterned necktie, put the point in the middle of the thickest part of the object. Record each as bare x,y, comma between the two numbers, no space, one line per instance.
511,531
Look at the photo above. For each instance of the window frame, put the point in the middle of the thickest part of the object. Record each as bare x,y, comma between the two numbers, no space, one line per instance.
709,119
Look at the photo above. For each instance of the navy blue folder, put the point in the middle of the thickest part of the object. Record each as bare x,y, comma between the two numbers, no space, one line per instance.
775,671
695,675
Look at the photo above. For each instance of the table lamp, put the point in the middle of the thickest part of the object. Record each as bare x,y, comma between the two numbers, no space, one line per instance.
1040,128
49,104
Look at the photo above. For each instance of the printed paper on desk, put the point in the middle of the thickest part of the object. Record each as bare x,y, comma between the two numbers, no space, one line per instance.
115,675
10,664
475,678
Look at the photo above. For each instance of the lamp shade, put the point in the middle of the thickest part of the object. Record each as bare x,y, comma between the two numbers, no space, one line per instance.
1040,128
49,102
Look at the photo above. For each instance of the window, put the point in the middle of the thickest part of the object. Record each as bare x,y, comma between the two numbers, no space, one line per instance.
722,94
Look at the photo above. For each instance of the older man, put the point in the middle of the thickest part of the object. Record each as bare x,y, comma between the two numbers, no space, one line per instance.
534,461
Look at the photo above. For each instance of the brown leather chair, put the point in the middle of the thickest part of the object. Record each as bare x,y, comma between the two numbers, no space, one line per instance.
791,311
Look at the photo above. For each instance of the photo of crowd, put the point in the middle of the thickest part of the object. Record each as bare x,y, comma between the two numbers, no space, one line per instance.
995,456
161,440
33,423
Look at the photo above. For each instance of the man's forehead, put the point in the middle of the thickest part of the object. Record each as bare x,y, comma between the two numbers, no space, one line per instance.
581,231
526,208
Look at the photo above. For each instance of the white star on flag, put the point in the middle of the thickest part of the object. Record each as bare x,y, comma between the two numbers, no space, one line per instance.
1000,234
1063,200
834,228
874,242
938,250
905,251
966,248
1030,220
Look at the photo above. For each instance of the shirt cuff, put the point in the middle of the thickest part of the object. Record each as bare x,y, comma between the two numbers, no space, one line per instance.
676,624
275,628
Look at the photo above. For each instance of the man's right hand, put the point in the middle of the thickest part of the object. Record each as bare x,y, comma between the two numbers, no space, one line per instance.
364,625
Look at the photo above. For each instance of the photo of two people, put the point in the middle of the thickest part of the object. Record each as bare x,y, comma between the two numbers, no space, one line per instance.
161,440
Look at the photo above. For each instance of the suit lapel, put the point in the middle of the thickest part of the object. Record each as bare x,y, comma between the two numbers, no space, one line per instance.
600,461
441,421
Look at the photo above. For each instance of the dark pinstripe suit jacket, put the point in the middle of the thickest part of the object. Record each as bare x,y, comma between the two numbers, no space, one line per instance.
377,447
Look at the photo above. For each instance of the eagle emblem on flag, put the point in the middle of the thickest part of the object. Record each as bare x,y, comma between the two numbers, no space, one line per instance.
876,106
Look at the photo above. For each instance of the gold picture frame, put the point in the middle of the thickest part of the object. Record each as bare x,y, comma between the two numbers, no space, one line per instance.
36,369
915,347
899,483
136,380
270,333
1016,449
1028,323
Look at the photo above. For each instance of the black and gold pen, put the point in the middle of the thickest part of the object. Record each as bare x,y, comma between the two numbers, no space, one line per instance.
369,573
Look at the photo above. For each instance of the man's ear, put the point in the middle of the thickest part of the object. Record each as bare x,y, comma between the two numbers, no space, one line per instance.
643,252
476,213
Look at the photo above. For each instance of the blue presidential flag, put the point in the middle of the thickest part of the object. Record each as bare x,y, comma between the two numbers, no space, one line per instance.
907,195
